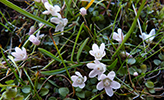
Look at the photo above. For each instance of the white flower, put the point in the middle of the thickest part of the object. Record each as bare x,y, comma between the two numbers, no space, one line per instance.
97,52
126,54
98,69
146,36
83,11
41,24
19,54
62,22
43,1
108,83
52,10
35,40
135,74
78,80
32,30
118,36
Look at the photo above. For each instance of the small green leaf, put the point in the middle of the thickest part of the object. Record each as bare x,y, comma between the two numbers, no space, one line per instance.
52,98
143,68
19,97
78,89
151,90
80,94
131,61
44,91
93,80
11,93
149,84
26,89
161,56
157,62
81,48
9,82
63,91
162,64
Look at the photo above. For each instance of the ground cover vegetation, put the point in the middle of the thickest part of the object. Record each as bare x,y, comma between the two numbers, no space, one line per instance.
81,49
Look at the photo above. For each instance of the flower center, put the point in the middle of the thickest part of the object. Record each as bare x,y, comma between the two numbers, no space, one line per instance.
98,54
79,80
107,82
100,68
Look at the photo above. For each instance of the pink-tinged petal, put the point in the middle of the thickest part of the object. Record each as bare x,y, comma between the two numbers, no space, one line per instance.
78,74
75,84
144,36
82,85
104,53
97,62
92,52
120,32
95,47
102,77
91,65
109,91
93,73
56,14
85,78
17,59
18,50
46,12
74,78
100,85
55,20
58,28
57,8
47,5
111,75
115,85
115,36
24,50
65,21
152,32
14,54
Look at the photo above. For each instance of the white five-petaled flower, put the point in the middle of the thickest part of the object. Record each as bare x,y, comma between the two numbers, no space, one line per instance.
98,69
83,11
53,10
148,37
118,36
97,52
35,40
108,83
62,22
78,80
19,54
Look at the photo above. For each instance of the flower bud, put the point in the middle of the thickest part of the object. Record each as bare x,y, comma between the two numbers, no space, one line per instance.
135,74
83,11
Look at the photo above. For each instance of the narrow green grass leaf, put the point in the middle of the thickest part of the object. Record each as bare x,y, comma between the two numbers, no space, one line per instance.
76,41
58,71
81,48
27,14
68,3
130,30
5,27
113,64
49,54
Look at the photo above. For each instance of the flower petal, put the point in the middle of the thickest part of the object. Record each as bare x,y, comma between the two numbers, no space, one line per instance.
95,47
74,77
100,85
111,75
115,85
75,84
46,12
82,85
92,52
93,73
57,8
102,47
78,74
65,21
55,20
102,77
109,91
152,32
85,78
91,65
59,27
120,32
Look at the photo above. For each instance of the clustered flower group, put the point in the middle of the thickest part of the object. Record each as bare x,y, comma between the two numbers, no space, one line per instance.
99,68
